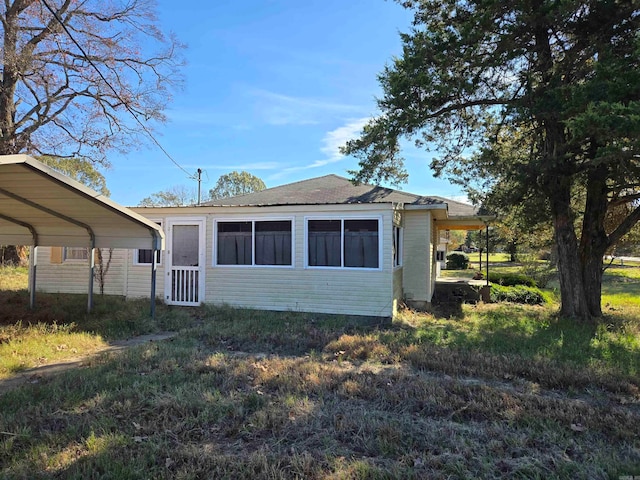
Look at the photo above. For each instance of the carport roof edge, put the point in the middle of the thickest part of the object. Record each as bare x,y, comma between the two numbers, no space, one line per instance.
75,206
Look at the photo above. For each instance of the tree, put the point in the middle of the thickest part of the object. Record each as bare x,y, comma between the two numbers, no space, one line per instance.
81,170
176,196
236,183
559,82
54,102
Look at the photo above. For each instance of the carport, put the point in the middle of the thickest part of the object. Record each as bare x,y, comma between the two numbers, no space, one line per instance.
41,207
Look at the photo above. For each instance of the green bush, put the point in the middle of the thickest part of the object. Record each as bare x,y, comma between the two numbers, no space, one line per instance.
541,272
517,294
457,261
511,279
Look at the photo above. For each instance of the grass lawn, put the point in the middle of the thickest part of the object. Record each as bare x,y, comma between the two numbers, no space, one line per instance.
498,391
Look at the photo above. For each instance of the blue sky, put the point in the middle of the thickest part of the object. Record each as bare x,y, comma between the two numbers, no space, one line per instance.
273,87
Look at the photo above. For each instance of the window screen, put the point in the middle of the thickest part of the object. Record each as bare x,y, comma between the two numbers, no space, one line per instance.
273,242
185,246
361,243
234,243
76,253
324,243
343,243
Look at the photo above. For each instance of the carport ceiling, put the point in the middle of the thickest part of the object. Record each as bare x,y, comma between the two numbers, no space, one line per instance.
34,199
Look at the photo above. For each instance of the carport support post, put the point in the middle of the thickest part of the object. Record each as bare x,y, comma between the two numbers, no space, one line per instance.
92,265
33,262
153,283
487,254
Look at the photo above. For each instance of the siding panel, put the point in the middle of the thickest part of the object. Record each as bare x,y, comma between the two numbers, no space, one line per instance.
73,277
417,256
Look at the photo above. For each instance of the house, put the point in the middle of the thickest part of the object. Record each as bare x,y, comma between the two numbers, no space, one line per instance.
320,245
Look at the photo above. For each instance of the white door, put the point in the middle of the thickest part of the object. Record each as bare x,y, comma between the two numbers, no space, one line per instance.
184,284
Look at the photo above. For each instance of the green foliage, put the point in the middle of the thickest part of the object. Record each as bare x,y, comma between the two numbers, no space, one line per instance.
511,279
542,272
81,170
176,196
457,261
545,113
236,183
517,294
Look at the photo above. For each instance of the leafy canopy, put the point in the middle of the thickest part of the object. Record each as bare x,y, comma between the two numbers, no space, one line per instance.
529,103
236,183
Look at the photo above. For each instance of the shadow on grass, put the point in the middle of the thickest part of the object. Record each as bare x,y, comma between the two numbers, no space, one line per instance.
284,333
174,410
112,317
497,341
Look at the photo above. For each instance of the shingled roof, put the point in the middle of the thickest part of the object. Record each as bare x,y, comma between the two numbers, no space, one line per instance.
336,190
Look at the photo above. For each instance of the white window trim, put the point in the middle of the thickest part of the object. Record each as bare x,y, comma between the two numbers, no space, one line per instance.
342,218
74,260
400,246
253,221
135,253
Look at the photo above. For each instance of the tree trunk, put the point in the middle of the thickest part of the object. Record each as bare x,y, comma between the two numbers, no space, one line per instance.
594,241
572,292
14,255
512,248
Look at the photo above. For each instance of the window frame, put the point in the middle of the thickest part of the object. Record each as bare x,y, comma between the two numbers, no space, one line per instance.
342,219
252,220
66,259
397,241
136,253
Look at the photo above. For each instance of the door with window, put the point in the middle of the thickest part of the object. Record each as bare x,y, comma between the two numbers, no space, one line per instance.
184,284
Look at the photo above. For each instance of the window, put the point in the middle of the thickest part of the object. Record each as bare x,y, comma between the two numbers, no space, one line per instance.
75,254
254,243
350,243
397,246
143,255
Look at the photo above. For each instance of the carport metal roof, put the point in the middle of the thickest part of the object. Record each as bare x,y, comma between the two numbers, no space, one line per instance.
40,207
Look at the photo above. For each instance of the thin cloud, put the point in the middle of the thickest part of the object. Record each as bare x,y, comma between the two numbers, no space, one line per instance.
278,109
335,139
331,143
246,166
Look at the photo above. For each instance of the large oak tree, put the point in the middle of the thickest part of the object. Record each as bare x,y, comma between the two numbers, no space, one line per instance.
71,109
561,79
54,102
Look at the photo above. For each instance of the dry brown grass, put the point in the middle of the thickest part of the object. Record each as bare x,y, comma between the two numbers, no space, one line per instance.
495,392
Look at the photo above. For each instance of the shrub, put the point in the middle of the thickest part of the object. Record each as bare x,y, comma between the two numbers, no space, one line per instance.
541,272
517,294
457,261
511,279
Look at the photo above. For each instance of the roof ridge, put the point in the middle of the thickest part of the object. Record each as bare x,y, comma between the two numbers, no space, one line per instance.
302,181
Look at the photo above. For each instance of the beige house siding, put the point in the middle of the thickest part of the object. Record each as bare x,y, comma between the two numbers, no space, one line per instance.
138,277
73,276
417,254
373,292
300,288
398,291
432,267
